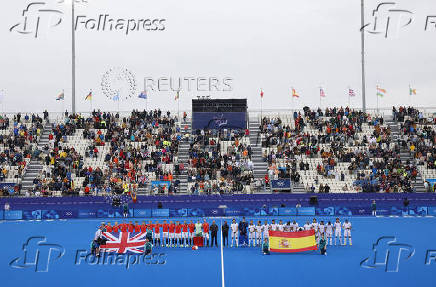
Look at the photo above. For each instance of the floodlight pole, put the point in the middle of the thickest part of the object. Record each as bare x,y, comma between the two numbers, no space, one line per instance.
362,31
73,60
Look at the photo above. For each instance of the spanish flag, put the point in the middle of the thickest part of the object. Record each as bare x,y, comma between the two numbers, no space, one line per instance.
289,242
294,93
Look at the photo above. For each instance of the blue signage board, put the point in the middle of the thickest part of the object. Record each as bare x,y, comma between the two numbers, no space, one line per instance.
164,212
50,214
66,214
418,211
13,214
278,184
306,211
219,120
142,212
288,211
431,210
325,211
234,212
32,214
86,213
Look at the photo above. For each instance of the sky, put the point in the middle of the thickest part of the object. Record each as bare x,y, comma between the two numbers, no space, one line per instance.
222,49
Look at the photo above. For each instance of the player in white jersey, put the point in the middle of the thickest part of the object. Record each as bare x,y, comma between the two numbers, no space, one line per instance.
338,231
294,226
259,233
347,231
251,233
274,226
234,228
265,229
329,232
315,227
321,228
280,226
307,226
287,227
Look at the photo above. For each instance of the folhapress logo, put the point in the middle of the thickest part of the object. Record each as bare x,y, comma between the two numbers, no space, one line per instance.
40,16
38,254
387,254
35,16
108,23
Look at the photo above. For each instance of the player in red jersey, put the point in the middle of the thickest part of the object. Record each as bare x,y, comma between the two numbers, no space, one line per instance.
137,227
179,234
109,227
123,227
116,227
185,234
156,234
191,232
150,225
143,227
131,227
206,232
165,228
171,228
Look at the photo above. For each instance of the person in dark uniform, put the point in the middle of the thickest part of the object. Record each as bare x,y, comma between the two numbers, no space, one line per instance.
148,247
265,247
225,230
213,234
243,225
323,245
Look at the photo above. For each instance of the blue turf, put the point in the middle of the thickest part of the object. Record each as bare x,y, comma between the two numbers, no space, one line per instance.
243,266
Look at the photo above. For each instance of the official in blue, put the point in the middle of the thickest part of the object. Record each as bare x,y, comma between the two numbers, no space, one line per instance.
242,226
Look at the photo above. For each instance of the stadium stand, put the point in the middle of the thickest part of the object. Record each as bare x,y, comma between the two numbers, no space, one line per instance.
336,150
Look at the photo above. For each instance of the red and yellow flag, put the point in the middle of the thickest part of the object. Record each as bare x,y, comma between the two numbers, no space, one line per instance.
288,242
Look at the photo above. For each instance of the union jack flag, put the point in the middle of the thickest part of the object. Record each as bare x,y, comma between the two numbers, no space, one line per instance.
124,242
351,93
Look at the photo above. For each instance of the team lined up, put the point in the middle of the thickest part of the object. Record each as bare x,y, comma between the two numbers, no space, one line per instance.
181,234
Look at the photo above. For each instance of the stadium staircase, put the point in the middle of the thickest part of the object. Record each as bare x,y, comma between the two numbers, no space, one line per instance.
35,167
260,167
404,153
183,157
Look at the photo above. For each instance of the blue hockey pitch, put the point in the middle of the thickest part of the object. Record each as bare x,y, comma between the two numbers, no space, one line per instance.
404,257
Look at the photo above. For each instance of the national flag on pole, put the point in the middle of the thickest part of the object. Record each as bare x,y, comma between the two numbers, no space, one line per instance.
89,97
381,92
289,242
60,97
321,93
143,95
261,93
294,93
124,242
116,97
412,91
351,93
177,95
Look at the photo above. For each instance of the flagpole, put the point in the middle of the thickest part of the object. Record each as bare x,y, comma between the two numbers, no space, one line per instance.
73,60
362,35
376,94
178,107
90,100
63,104
261,104
349,97
410,95
320,97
